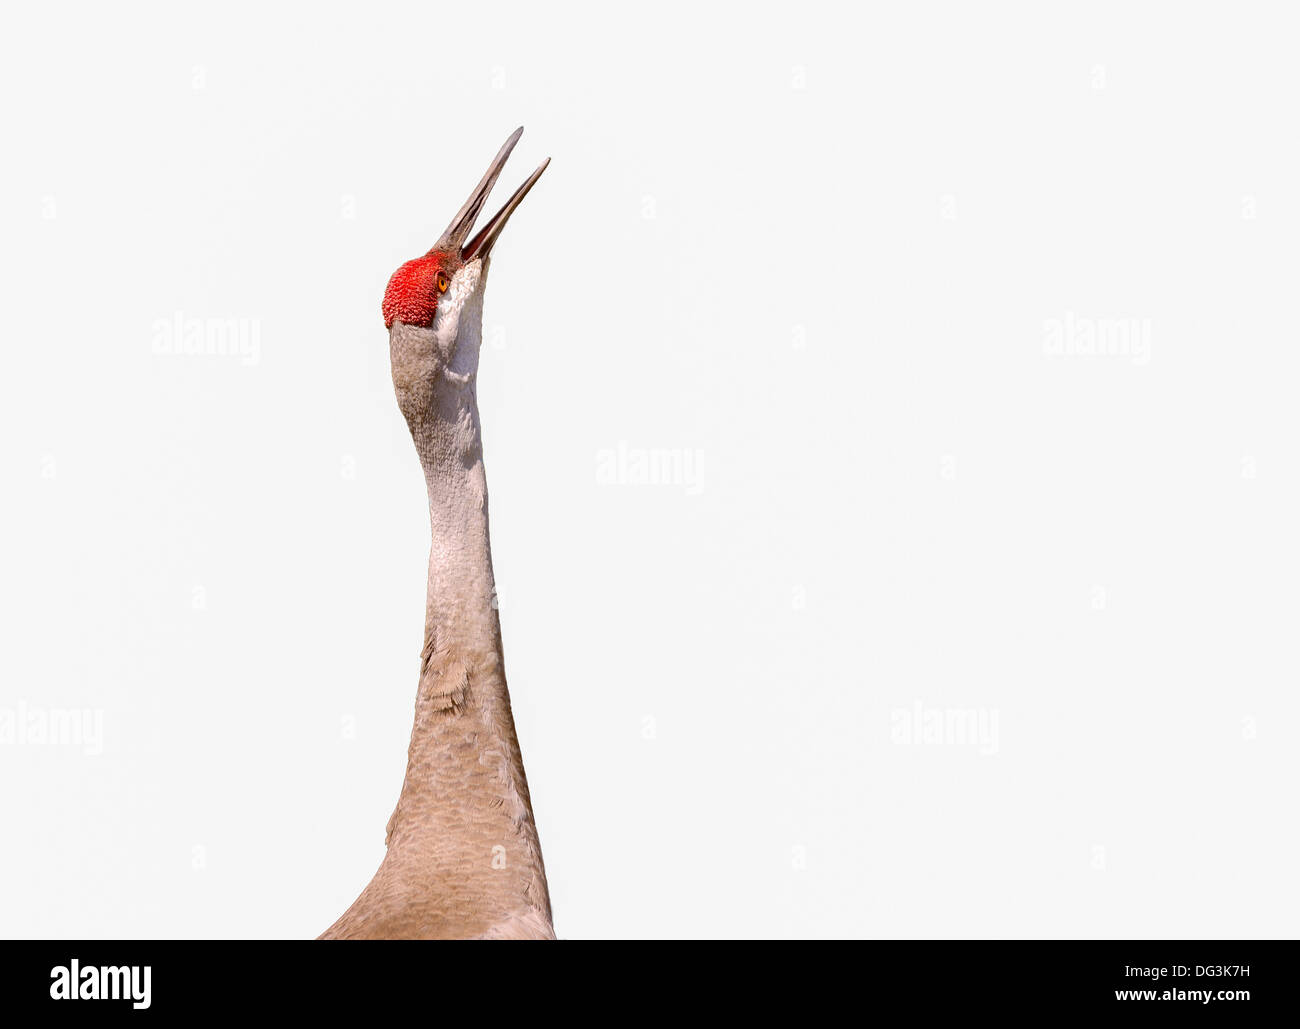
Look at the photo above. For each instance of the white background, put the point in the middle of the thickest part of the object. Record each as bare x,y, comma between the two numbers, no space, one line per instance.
822,256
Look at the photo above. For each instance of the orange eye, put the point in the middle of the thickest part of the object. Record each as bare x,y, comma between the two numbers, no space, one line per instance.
443,283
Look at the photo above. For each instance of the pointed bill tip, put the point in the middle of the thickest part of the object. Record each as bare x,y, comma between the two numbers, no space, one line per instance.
461,225
481,245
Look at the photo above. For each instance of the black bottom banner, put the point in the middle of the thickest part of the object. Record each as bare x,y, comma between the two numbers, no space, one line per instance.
96,981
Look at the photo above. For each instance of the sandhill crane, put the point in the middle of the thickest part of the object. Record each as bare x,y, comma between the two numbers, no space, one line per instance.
463,858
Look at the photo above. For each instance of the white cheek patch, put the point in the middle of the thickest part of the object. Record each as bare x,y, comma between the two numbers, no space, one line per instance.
446,319
457,324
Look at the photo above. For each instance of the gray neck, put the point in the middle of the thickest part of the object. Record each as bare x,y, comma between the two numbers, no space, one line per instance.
434,374
460,609
465,796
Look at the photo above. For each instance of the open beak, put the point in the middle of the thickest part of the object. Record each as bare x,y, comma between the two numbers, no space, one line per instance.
482,243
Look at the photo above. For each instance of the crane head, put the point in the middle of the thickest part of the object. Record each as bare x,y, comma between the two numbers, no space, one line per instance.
452,270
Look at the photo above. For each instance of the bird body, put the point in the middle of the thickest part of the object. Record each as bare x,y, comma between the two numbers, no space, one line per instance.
463,858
